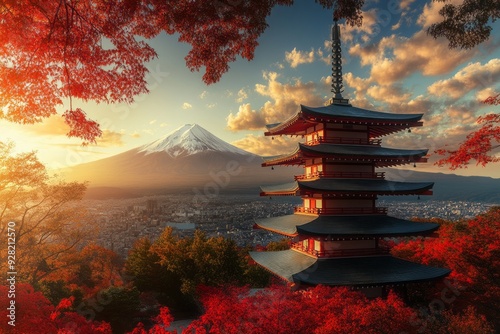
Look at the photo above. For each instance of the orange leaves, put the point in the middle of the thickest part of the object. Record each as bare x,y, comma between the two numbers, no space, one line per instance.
55,51
478,145
316,310
471,250
81,127
35,314
58,50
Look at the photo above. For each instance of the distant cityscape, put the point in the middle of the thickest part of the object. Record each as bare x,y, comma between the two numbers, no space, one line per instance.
121,222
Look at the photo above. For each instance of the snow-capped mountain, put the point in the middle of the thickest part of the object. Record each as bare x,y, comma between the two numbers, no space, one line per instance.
187,140
185,159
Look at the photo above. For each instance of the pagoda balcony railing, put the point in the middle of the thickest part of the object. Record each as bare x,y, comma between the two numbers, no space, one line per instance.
341,211
347,175
342,140
340,252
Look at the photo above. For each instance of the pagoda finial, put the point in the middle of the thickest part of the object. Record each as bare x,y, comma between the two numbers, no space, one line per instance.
337,85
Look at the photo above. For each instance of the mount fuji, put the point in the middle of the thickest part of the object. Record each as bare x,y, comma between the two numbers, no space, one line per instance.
190,139
188,157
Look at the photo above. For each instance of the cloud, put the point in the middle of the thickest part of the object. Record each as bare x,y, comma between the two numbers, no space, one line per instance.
242,95
110,138
203,94
152,122
162,125
135,134
485,93
394,94
285,99
186,106
359,85
473,76
430,14
266,146
295,58
246,119
211,105
395,58
52,126
365,32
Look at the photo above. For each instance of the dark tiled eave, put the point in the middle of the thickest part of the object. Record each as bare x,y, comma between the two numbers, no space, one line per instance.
382,156
366,271
379,123
353,226
351,187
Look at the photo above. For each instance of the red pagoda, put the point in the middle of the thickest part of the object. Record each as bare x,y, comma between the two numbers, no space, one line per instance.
335,233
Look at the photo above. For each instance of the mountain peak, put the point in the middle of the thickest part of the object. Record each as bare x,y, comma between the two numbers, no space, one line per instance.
187,140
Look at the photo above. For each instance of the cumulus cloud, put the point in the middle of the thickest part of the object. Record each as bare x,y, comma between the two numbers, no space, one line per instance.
242,95
266,146
394,94
285,99
430,14
296,58
203,94
473,76
110,138
246,119
152,122
52,126
365,32
186,106
483,94
395,58
135,134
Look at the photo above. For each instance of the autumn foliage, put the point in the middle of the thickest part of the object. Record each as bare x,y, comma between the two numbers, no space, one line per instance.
35,314
317,310
56,52
478,145
471,249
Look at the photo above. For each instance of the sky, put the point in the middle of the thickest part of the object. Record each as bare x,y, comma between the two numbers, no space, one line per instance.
389,64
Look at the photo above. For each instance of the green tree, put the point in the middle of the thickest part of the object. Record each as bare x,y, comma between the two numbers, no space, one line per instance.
200,260
143,268
116,305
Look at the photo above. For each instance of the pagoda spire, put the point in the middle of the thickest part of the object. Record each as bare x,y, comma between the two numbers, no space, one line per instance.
337,85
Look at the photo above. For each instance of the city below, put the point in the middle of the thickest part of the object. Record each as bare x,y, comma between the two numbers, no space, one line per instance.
122,222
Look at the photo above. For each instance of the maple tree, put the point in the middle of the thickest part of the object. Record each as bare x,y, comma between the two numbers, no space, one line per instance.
317,310
467,23
35,314
55,52
49,225
479,145
471,249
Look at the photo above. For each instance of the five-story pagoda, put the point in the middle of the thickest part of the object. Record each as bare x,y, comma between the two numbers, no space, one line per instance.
335,233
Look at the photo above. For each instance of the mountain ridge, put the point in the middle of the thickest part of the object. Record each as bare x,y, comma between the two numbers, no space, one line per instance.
187,140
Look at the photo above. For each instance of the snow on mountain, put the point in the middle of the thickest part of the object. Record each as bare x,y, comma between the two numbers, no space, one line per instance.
187,140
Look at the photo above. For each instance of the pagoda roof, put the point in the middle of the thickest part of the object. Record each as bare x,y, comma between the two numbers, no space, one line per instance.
366,271
380,123
345,226
383,156
343,186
